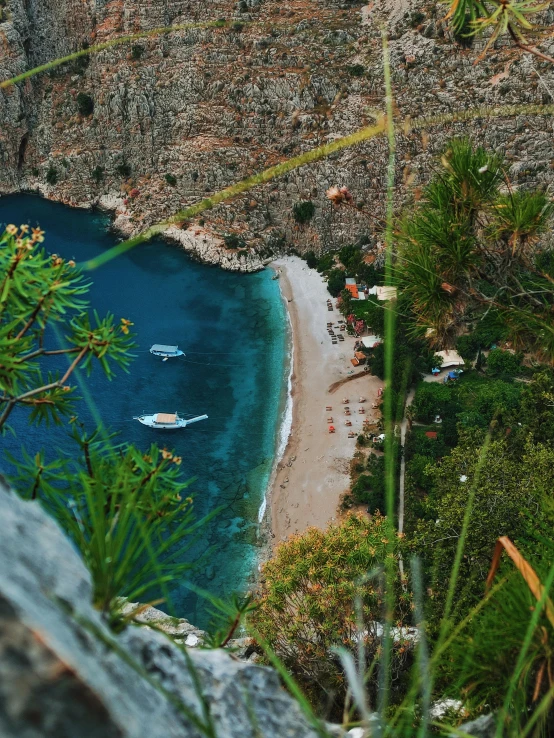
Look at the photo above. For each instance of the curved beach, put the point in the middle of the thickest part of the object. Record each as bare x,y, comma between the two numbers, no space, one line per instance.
314,470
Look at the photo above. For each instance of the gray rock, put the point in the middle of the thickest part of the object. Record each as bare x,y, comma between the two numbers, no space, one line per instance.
482,727
211,107
64,674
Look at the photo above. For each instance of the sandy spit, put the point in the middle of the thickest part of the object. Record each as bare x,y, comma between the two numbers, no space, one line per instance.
314,470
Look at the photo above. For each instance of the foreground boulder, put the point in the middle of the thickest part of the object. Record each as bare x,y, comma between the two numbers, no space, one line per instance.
64,674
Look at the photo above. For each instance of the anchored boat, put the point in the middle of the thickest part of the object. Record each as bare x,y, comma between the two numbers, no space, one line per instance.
167,421
167,352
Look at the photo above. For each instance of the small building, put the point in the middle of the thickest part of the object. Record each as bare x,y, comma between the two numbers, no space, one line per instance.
450,358
352,288
371,341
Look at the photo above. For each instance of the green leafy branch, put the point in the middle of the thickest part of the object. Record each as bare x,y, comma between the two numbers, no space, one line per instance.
502,17
38,290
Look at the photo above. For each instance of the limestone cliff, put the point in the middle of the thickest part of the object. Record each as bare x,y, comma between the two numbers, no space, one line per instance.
151,127
63,674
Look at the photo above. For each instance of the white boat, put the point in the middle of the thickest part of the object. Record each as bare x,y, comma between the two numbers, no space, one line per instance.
167,421
167,352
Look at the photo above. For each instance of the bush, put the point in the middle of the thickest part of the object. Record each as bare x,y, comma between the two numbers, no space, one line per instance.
335,283
468,346
311,259
307,608
303,211
85,104
97,174
123,169
52,175
503,364
232,241
356,70
171,179
137,51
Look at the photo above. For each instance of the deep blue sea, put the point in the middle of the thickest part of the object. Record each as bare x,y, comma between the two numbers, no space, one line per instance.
233,329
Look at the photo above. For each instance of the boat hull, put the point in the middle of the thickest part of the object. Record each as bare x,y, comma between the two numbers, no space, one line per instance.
149,421
167,356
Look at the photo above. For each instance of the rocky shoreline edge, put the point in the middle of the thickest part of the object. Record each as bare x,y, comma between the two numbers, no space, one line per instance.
197,241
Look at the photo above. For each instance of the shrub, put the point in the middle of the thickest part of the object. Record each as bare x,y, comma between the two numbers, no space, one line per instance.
97,174
356,70
35,172
306,607
85,104
503,364
52,175
311,259
303,211
232,241
137,51
335,282
123,169
171,179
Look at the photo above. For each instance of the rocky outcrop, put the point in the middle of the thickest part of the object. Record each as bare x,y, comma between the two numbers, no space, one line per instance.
163,122
63,673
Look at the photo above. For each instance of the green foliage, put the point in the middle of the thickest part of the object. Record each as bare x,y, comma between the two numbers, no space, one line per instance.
97,174
311,259
234,241
85,104
481,662
38,290
335,282
505,486
466,254
356,70
137,51
171,179
511,18
468,346
307,604
122,508
303,211
369,488
123,169
82,62
52,175
503,364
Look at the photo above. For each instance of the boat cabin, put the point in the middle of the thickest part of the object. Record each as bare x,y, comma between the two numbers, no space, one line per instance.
160,349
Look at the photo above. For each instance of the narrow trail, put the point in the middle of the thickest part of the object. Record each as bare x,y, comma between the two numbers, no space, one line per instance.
401,481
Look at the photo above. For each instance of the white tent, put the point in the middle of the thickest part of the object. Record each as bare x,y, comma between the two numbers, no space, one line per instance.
371,341
450,358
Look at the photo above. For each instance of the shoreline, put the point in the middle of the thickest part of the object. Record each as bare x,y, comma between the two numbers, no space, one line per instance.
200,244
313,472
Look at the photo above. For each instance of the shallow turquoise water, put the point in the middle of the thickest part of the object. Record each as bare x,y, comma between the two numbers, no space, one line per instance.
233,329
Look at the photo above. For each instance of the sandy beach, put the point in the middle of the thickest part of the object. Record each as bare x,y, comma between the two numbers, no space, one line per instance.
314,470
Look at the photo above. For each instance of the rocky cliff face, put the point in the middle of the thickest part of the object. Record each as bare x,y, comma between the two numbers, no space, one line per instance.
64,674
156,125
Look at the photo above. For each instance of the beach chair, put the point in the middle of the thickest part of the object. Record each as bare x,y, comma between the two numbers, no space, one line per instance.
330,419
345,401
348,422
361,411
329,407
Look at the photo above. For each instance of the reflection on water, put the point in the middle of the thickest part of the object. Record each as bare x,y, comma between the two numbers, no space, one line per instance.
233,331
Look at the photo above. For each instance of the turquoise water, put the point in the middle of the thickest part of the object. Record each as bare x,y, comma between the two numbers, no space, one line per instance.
233,330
